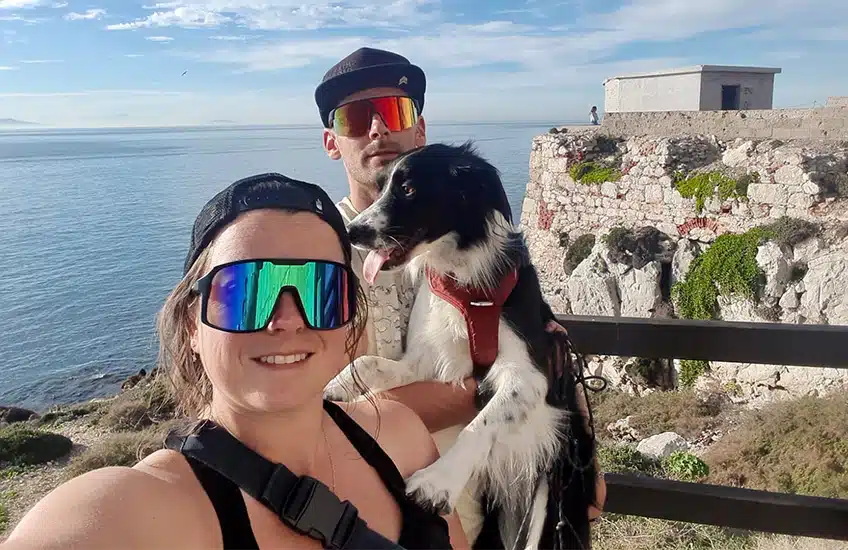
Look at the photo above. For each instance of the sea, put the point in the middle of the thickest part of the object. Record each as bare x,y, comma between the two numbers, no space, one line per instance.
94,225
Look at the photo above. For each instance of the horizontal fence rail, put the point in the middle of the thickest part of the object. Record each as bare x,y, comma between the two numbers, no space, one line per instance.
727,506
759,343
763,343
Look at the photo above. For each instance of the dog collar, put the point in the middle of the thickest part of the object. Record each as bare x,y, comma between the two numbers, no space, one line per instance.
481,309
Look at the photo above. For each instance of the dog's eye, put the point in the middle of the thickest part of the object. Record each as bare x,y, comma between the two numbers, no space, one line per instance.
407,189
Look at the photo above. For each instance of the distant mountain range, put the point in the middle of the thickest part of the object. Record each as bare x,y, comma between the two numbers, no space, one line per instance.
16,122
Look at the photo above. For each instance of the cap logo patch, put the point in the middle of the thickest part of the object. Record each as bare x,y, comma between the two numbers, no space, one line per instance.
319,205
402,80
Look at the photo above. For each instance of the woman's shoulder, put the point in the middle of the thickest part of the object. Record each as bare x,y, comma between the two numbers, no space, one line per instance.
399,431
151,504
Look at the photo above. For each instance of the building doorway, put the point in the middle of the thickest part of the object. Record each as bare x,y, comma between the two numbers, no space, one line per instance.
730,98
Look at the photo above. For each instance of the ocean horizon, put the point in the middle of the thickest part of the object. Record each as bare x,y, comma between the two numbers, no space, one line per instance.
97,220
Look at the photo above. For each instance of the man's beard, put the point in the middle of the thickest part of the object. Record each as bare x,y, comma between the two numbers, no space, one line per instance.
368,172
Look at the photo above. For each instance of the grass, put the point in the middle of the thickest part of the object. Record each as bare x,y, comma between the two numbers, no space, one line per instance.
119,449
662,411
798,446
4,517
593,173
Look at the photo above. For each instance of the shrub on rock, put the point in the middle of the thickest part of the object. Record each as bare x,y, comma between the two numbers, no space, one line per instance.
21,444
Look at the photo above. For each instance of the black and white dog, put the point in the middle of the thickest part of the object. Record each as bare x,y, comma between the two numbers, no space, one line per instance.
443,214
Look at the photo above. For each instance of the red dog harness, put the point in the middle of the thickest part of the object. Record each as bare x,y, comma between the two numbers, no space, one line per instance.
481,309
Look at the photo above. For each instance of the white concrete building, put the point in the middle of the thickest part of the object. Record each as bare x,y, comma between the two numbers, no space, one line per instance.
699,88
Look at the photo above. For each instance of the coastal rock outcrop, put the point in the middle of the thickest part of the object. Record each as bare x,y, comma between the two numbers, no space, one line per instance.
694,227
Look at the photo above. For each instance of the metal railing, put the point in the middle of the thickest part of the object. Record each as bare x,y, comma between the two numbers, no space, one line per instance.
761,343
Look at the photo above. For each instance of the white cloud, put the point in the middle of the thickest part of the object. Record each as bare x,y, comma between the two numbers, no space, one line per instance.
18,4
95,93
285,14
158,38
231,38
40,61
183,16
96,13
59,5
7,68
133,55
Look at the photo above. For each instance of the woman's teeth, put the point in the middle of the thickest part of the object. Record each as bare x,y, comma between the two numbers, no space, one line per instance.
283,359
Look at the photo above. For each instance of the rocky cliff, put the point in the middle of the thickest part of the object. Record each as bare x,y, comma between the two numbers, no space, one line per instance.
694,227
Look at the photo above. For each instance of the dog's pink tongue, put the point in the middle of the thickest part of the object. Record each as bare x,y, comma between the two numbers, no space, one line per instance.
372,264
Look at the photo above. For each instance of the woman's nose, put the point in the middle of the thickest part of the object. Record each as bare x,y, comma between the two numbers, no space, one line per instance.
286,316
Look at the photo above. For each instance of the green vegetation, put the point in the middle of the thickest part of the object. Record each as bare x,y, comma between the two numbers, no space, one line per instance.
703,185
626,459
684,466
4,517
787,231
21,444
690,370
729,267
593,173
578,251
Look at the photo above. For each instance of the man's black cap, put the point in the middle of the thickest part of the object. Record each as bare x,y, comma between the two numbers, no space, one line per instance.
368,68
269,190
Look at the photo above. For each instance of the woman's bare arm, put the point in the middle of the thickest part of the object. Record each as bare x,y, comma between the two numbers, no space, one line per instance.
108,508
438,404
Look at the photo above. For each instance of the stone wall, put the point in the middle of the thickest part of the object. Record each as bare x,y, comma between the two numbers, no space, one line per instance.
837,101
611,233
830,123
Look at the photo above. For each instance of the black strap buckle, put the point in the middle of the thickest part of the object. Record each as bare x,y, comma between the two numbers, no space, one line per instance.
313,510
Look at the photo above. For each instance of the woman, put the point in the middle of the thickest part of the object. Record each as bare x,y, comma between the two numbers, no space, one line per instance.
250,338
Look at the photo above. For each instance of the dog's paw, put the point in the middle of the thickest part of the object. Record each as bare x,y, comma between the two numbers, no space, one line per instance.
427,487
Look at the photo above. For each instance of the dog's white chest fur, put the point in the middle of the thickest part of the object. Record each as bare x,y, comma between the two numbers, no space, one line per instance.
437,339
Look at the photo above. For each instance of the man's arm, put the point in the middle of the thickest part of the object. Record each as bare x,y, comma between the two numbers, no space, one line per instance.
440,405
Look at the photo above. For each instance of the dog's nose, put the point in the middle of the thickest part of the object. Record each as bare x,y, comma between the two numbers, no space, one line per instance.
362,235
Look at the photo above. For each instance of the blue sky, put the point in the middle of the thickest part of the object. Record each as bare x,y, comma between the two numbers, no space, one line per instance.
119,62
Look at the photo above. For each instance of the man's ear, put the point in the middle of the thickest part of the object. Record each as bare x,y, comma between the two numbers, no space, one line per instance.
331,145
421,132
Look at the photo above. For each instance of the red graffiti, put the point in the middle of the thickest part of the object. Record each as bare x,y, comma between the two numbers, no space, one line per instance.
546,216
703,223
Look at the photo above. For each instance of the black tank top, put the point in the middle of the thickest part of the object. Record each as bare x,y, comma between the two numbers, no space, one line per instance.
420,529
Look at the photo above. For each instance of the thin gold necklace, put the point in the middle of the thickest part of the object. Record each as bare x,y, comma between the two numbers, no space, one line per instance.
330,457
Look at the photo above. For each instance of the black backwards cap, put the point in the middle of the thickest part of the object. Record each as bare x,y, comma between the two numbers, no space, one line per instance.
368,68
269,190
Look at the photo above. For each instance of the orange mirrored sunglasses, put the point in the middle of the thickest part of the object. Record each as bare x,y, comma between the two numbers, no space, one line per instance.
353,119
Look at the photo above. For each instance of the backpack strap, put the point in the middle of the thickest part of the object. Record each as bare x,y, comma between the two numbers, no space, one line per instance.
303,503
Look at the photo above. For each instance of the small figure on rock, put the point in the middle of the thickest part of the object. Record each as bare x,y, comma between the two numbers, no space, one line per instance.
593,115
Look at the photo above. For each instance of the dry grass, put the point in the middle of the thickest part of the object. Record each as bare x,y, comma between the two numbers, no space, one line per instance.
119,449
670,411
614,532
798,446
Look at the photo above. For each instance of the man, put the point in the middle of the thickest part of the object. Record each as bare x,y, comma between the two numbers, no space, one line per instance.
371,104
